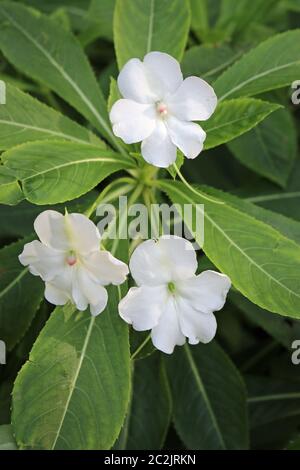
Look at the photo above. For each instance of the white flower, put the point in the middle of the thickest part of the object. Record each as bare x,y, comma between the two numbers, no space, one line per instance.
69,260
171,299
158,108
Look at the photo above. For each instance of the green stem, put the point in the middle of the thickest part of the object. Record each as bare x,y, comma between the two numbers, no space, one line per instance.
123,217
149,199
130,182
191,188
141,347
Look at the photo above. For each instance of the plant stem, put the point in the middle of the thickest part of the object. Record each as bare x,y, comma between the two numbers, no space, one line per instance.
101,197
191,188
141,346
123,217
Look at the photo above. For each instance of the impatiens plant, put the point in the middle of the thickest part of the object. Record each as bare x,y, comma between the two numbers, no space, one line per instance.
130,325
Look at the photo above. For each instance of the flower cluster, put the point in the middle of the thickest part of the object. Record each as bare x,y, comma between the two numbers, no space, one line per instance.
170,299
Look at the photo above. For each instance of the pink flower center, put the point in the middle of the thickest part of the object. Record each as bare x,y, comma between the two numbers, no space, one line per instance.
162,109
71,259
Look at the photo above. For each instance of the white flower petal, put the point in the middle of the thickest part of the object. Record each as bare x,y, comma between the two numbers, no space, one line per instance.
50,228
59,290
54,295
143,306
166,69
167,334
195,325
105,269
158,148
132,121
206,292
42,260
86,292
78,292
195,100
187,136
170,258
101,305
95,294
83,234
72,231
135,83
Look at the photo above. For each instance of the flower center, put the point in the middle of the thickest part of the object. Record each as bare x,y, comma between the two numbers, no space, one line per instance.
71,258
162,109
171,287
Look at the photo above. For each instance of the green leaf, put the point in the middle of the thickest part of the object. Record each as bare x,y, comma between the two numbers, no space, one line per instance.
235,17
141,345
141,26
275,325
19,222
276,199
61,17
209,398
111,70
289,228
273,64
7,441
286,202
271,400
149,413
199,17
179,162
262,264
86,361
10,190
294,444
66,170
19,83
233,118
6,386
114,94
292,5
25,119
100,14
270,148
208,61
40,48
16,358
20,295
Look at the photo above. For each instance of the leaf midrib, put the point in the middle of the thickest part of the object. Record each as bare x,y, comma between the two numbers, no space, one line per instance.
234,121
222,66
150,27
73,162
273,197
65,75
251,261
274,397
255,77
42,129
73,383
15,281
202,391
